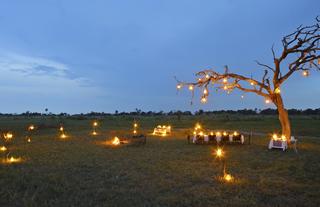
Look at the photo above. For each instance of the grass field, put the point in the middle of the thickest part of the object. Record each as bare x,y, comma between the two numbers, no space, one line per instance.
82,171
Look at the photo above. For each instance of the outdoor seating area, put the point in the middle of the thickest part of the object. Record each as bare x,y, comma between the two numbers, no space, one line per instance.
216,138
162,130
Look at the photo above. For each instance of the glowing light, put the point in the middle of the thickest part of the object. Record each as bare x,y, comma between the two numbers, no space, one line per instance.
201,133
191,87
31,127
116,141
162,130
198,126
194,133
235,133
179,86
219,153
283,138
13,160
205,91
305,73
218,134
225,87
207,76
225,133
242,96
225,80
8,136
267,101
277,138
29,140
135,125
252,83
211,133
227,177
134,131
95,124
274,136
203,100
61,128
63,136
3,149
94,133
277,91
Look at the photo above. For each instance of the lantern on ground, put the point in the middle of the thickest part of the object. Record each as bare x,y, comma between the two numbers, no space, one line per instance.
94,128
62,133
3,149
115,141
8,136
135,128
228,177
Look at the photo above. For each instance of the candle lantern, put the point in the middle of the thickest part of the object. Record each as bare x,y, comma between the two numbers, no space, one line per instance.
8,136
94,126
62,133
135,128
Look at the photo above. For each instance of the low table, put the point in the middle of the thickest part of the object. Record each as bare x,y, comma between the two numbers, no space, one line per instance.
278,144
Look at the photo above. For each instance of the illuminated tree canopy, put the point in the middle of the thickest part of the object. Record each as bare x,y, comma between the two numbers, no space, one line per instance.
299,53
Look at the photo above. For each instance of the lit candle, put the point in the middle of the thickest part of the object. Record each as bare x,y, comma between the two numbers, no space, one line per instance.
8,136
203,100
63,136
305,73
116,141
227,177
219,153
13,160
3,148
225,80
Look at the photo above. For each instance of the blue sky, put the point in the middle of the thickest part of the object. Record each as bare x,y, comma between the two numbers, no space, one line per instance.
81,56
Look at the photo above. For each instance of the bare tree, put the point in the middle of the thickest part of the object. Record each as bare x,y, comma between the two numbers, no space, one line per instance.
299,52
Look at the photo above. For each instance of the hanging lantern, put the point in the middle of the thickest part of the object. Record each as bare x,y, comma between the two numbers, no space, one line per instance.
305,73
204,100
277,90
225,80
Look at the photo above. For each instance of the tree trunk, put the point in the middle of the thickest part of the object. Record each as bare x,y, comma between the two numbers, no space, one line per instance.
283,116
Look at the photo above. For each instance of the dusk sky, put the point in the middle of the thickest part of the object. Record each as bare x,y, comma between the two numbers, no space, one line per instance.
80,56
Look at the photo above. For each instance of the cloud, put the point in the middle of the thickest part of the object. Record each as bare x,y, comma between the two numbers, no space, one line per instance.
33,75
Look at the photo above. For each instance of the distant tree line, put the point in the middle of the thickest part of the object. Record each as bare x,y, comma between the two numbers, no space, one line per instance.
139,112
